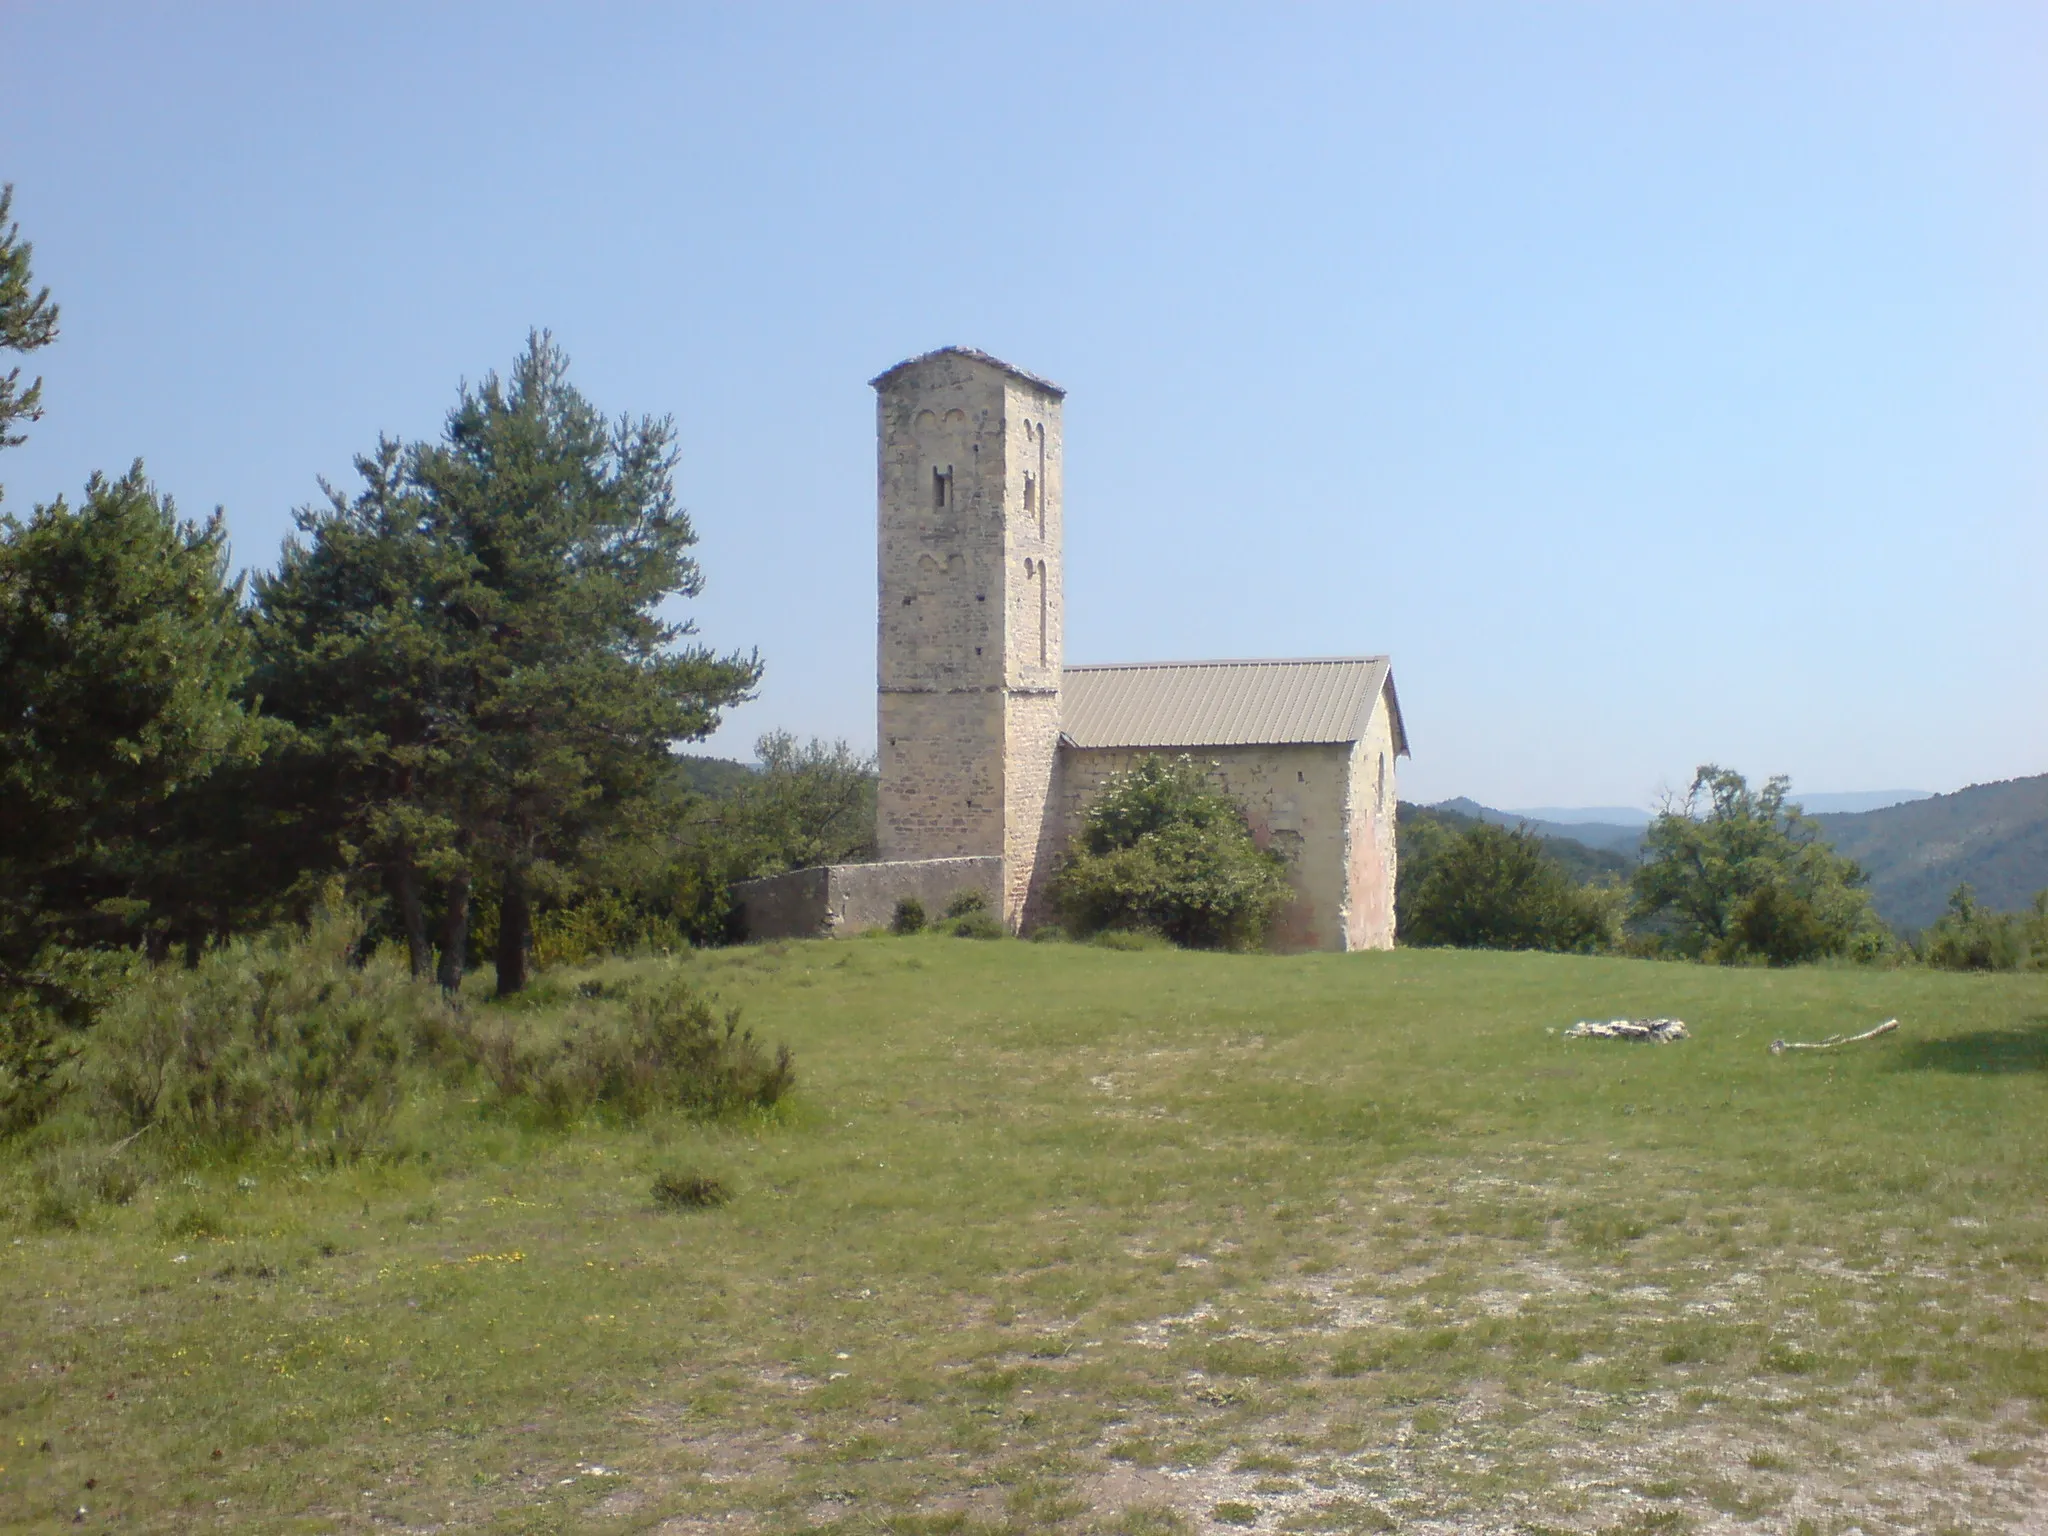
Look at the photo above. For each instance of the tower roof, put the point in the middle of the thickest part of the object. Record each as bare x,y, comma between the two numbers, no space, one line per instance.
974,355
1227,703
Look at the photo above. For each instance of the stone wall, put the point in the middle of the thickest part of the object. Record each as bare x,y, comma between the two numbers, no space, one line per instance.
971,600
941,789
1294,800
839,899
1369,852
1030,760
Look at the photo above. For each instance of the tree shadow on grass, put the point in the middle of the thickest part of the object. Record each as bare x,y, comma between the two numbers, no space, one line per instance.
2024,1049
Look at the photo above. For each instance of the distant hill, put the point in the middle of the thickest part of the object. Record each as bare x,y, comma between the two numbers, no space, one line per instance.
1859,800
1604,815
1995,836
1604,824
1614,837
1582,862
712,775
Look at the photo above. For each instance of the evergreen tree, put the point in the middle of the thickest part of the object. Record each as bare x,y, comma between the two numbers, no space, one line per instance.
358,667
121,653
474,649
28,320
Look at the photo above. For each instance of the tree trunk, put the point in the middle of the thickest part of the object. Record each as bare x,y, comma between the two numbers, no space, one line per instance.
515,933
455,934
405,886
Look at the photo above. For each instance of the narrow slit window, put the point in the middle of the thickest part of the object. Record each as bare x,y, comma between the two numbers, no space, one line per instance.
942,486
1044,617
1041,479
1030,494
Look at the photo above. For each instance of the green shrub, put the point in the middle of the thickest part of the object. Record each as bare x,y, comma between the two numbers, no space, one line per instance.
908,917
1128,940
670,1050
1163,851
70,1180
600,923
44,1011
1492,887
965,903
689,1191
1967,937
976,925
35,1048
276,1037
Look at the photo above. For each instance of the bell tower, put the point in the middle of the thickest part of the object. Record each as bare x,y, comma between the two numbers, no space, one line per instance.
969,655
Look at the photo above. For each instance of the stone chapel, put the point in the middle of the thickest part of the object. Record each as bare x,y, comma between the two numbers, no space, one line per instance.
992,748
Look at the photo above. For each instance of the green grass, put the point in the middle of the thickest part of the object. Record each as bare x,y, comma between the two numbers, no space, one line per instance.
1054,1237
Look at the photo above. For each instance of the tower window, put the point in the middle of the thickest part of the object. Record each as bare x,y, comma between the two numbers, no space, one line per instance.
1040,435
1030,493
942,486
1044,616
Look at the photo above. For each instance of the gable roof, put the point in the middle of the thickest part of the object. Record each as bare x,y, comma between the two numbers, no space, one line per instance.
973,355
1227,703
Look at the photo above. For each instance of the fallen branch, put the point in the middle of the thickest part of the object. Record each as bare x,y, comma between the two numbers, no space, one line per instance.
1779,1047
1659,1030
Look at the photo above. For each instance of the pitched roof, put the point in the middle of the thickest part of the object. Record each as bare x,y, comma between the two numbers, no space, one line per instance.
1227,703
972,354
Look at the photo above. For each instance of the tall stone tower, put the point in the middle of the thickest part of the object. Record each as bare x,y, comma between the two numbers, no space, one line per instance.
969,662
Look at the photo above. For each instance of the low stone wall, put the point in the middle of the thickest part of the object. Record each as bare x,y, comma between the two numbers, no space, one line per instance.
850,898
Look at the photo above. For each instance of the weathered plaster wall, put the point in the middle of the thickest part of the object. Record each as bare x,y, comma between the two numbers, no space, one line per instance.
1294,800
1369,851
841,899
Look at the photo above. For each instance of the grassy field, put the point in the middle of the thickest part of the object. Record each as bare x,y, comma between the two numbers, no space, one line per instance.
1057,1238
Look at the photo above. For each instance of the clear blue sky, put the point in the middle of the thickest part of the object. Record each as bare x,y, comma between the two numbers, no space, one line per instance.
1657,383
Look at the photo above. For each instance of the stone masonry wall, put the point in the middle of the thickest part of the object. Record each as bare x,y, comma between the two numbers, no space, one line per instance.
941,763
1035,650
841,899
1031,760
940,445
969,639
1369,852
1294,800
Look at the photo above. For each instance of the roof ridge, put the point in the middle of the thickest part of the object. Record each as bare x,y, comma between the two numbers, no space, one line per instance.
1246,661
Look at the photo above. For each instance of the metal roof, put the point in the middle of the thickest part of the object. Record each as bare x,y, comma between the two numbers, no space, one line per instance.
972,354
1227,703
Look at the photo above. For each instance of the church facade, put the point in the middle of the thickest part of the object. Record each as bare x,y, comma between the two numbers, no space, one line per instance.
991,748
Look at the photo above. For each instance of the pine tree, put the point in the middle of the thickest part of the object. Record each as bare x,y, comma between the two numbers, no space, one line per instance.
28,320
121,655
474,648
